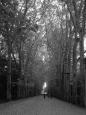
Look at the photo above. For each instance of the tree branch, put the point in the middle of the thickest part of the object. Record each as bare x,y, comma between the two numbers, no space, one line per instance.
80,9
71,17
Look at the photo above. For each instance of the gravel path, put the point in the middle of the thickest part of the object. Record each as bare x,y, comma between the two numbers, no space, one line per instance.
39,106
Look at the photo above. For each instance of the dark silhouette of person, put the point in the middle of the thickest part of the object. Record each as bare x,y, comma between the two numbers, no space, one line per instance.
44,95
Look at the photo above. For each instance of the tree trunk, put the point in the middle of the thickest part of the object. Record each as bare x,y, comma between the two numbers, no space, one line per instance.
71,67
75,68
20,70
9,72
82,71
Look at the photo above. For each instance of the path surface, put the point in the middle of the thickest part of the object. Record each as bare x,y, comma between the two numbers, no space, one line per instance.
39,106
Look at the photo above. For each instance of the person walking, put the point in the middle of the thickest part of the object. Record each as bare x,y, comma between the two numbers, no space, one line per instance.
44,95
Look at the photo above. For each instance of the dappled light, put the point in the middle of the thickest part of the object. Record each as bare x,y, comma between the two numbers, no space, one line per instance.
43,54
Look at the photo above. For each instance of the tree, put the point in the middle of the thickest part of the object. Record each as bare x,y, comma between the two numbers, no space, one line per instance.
77,16
13,24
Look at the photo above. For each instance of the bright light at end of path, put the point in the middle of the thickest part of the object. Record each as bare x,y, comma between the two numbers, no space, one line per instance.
44,85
